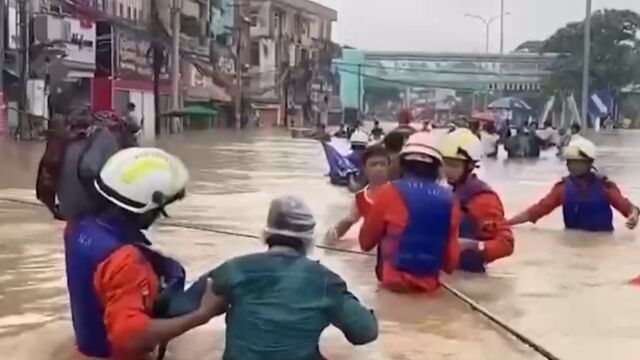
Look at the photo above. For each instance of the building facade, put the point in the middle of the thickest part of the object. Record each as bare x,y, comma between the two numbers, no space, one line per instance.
288,39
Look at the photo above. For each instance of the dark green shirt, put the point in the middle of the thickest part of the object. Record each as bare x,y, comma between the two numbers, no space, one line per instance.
280,303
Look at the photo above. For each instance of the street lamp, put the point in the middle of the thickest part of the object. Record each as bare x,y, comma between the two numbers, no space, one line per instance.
487,23
586,65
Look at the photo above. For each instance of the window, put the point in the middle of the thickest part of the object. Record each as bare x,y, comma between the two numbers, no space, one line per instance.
277,27
255,53
121,10
129,14
135,14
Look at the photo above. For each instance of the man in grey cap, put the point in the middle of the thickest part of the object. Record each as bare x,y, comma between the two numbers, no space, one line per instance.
280,301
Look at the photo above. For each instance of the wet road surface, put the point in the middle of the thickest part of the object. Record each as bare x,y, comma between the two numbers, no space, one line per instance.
565,290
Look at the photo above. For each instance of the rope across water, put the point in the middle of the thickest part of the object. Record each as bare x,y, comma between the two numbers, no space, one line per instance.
461,296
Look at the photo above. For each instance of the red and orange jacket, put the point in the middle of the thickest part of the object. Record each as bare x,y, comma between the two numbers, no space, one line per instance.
388,209
486,212
127,287
555,199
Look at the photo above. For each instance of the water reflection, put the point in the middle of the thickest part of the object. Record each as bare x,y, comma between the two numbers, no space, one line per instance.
567,290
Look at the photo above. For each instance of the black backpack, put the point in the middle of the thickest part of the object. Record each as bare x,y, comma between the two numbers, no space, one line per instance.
75,153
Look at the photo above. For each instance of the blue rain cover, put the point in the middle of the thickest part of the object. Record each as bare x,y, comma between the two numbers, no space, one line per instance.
339,166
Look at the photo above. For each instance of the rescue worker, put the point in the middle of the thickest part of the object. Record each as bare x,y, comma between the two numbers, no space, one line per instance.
359,141
586,197
376,171
114,278
280,301
413,222
484,232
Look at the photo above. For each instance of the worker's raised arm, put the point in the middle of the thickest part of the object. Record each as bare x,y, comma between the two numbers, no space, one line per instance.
543,208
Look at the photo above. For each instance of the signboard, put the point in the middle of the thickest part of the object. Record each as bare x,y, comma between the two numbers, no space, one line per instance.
135,58
78,37
81,37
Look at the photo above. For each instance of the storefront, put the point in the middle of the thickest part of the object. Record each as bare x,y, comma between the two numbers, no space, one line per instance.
131,81
200,90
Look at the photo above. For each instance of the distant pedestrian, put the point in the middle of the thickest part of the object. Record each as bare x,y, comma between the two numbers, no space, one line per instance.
377,132
132,118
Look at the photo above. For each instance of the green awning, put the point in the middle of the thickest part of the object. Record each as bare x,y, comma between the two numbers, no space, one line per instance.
192,111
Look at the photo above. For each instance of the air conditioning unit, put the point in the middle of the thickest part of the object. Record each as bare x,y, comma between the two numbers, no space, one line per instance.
49,28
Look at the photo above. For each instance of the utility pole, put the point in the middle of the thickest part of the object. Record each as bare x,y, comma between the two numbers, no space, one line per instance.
502,27
176,11
360,84
238,103
3,113
158,58
586,65
24,63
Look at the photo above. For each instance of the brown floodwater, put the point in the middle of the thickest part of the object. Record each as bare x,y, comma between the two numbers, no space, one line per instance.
567,291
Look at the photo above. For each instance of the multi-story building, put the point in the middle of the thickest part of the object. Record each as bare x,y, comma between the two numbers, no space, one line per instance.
288,38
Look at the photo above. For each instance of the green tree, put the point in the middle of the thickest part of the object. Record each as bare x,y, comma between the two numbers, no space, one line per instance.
615,52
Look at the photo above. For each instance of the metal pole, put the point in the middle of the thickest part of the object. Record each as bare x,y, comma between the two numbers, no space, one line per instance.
239,25
239,77
175,64
473,103
3,114
501,26
24,66
359,88
586,65
486,46
158,62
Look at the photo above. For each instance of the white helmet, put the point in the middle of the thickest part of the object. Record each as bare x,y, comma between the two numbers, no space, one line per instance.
359,138
142,179
580,149
422,146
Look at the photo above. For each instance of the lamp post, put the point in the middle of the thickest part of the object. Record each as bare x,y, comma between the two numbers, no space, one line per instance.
487,23
502,15
586,65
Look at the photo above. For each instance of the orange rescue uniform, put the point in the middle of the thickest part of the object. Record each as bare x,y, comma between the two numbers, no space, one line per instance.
555,199
486,211
387,210
127,287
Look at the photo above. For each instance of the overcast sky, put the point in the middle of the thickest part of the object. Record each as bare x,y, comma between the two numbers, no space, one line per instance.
440,25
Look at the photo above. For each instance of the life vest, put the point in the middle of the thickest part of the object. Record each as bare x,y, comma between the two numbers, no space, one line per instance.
419,248
464,193
363,201
587,209
87,244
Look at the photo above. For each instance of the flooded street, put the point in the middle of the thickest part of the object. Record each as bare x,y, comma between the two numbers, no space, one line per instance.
567,291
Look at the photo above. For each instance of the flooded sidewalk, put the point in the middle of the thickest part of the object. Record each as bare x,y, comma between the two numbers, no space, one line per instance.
566,290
